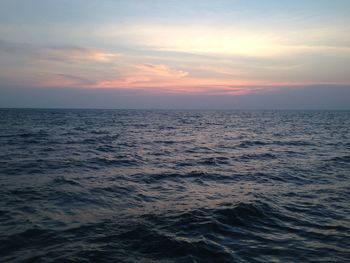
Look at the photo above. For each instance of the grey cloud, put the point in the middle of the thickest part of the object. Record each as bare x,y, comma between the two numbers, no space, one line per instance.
309,97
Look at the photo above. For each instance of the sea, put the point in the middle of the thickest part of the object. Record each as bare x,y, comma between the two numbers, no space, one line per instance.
174,186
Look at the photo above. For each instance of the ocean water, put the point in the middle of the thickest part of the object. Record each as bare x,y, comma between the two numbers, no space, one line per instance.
174,186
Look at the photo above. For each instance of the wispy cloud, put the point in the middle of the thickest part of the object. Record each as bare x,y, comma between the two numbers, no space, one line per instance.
70,54
57,52
145,75
230,40
160,71
161,79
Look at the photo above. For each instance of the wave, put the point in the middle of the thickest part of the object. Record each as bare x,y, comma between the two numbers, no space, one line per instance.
293,143
200,175
341,159
116,162
250,143
214,161
260,156
63,180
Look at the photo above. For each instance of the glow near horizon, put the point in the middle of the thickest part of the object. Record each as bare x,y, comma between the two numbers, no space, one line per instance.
172,47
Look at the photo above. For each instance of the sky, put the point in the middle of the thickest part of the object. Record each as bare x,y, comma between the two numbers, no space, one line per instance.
239,54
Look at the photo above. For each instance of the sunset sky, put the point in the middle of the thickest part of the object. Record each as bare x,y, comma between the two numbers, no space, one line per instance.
175,54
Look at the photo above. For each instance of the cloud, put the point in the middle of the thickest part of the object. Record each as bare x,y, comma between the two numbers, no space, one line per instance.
73,81
231,40
307,97
160,71
146,75
161,79
62,53
52,66
75,54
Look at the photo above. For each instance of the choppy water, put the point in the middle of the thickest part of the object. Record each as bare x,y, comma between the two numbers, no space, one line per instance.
174,186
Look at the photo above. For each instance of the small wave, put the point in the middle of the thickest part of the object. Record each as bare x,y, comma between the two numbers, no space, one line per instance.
200,149
272,178
243,214
214,161
33,134
261,156
203,176
99,132
109,138
90,141
8,135
106,148
63,180
27,234
25,135
159,244
165,142
114,162
293,143
246,144
341,159
31,239
27,193
239,214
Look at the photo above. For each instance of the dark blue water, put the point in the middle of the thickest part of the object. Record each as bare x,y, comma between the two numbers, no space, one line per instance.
174,186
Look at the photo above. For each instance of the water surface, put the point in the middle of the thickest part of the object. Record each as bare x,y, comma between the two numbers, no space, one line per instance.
174,186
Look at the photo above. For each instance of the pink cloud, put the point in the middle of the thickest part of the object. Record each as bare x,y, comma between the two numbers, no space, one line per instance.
164,79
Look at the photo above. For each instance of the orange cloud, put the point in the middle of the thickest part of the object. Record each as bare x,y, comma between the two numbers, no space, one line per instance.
98,56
